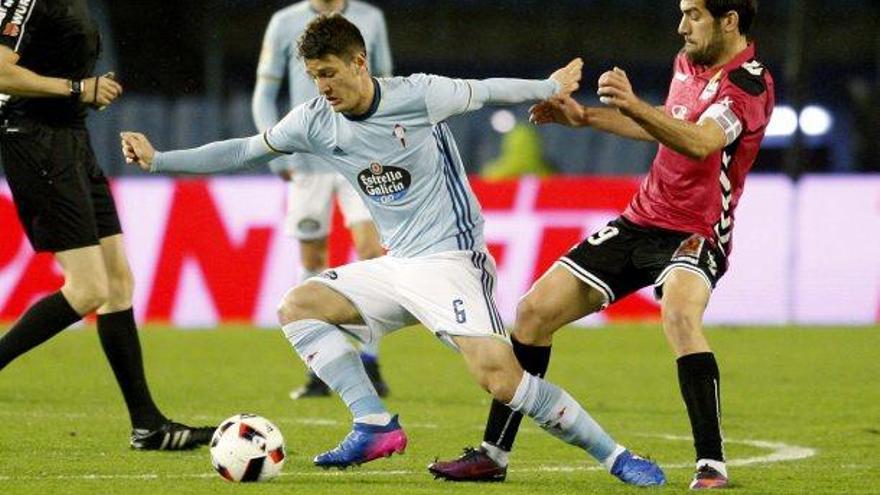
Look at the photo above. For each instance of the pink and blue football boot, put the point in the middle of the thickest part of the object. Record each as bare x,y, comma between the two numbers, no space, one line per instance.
365,443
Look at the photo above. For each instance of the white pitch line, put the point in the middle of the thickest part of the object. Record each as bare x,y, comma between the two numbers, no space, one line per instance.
780,452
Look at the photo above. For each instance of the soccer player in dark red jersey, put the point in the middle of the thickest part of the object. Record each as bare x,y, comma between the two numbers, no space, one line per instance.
676,232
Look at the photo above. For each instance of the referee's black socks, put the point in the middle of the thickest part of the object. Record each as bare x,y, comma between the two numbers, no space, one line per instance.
503,423
39,323
700,384
119,338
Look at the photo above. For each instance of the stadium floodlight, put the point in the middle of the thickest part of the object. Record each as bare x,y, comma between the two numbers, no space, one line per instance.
815,120
783,123
503,121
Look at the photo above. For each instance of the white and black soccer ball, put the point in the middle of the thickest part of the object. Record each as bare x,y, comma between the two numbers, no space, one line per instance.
247,447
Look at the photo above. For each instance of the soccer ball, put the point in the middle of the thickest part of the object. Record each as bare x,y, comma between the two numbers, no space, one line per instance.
247,447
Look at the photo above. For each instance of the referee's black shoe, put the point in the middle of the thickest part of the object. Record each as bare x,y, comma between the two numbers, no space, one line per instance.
171,436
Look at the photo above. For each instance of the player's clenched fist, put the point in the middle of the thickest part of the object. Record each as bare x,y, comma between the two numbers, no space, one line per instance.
569,77
101,91
137,149
615,90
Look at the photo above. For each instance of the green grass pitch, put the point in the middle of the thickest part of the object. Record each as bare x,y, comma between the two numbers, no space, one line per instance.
801,413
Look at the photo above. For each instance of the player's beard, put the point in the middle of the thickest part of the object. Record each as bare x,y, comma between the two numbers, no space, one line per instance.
709,54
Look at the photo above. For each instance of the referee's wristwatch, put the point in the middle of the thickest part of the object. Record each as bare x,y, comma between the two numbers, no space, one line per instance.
76,89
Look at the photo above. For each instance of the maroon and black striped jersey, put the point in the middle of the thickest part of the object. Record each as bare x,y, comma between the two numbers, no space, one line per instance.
699,196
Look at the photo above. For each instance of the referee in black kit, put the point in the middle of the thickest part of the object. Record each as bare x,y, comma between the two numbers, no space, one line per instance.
48,51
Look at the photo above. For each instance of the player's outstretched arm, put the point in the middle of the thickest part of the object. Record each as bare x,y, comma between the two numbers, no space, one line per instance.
499,91
219,156
565,110
692,140
447,97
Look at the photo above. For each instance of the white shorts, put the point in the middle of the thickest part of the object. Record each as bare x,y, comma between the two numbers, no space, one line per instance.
451,293
310,204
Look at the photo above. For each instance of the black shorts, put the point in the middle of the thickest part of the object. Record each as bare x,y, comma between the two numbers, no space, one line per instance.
623,257
62,196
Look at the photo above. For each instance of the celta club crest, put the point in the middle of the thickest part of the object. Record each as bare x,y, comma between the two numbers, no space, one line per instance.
400,134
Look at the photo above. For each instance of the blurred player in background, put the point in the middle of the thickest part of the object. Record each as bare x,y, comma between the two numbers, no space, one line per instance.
312,183
676,232
48,52
388,138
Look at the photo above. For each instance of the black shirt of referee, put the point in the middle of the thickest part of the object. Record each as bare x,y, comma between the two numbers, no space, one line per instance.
62,197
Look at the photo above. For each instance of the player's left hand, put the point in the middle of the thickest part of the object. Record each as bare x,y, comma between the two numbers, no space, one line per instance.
616,91
569,77
137,149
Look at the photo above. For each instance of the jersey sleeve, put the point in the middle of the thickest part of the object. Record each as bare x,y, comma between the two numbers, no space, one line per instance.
293,133
17,20
746,93
273,56
446,97
380,54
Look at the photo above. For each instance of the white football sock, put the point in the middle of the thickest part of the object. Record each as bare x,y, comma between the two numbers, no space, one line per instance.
497,454
719,466
608,463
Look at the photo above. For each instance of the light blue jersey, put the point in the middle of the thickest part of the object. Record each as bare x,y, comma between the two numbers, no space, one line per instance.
279,59
399,156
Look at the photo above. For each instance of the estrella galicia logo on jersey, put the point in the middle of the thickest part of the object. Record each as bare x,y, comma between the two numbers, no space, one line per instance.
384,184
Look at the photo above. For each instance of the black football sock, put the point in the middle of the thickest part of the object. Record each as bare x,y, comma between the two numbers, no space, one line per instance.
119,339
700,384
39,323
503,423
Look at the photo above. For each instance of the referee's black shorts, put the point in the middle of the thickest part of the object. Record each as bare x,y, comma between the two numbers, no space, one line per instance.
62,196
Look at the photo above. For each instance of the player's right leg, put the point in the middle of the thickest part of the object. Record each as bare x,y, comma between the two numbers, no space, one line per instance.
492,363
556,299
313,316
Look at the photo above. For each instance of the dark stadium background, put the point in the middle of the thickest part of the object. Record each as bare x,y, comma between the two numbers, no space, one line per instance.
188,68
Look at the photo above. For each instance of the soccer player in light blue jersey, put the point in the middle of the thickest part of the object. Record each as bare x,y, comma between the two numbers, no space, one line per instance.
387,137
312,184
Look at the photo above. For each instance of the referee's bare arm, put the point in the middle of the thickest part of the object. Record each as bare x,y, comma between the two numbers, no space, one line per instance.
19,81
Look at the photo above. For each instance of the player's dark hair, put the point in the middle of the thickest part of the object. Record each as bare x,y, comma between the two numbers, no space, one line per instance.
331,34
746,9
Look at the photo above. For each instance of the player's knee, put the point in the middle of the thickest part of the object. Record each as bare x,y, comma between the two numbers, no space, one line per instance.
299,303
679,319
313,254
534,319
86,294
120,287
